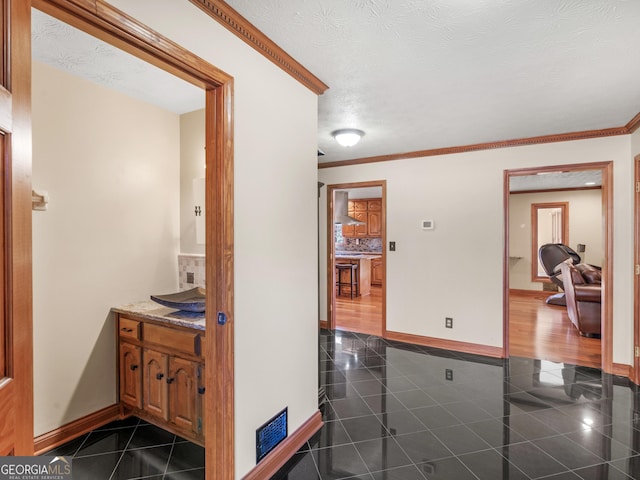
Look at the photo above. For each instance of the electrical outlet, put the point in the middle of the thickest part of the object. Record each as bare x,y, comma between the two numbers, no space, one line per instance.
448,322
190,278
448,374
392,246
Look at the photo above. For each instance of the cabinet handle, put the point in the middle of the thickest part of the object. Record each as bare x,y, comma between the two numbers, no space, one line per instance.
133,367
201,390
128,330
159,376
170,380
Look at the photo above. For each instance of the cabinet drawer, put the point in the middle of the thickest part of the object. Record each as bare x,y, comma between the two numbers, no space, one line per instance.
184,341
129,328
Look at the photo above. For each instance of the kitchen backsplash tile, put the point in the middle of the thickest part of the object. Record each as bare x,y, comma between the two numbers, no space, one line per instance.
363,244
191,271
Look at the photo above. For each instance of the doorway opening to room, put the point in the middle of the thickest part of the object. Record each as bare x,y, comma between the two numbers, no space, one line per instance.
356,258
111,26
564,210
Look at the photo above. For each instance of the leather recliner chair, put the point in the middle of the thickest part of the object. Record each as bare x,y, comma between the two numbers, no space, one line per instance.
551,256
583,292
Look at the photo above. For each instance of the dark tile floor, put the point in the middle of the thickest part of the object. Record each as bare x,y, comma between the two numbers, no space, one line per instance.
130,449
404,412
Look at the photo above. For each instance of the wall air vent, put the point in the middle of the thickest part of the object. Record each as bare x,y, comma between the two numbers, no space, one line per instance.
269,435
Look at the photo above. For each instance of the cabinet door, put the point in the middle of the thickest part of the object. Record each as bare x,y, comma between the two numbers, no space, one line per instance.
155,383
374,205
360,230
377,272
183,393
360,205
130,375
374,223
349,230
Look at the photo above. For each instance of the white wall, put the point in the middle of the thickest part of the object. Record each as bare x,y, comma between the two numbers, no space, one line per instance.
110,235
455,270
192,160
585,226
275,155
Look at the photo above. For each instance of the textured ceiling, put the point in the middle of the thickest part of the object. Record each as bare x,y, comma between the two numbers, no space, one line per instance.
423,74
61,46
417,74
555,180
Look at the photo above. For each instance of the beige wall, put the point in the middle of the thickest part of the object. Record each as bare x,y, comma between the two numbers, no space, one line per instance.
455,270
635,143
585,226
192,160
110,235
275,173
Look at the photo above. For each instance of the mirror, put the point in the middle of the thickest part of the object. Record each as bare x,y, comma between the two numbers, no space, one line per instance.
549,224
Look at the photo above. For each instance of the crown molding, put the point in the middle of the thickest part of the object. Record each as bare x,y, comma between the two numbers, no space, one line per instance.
241,27
633,124
562,137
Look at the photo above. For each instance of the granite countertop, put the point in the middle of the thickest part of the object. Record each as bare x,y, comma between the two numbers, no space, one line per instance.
358,255
151,310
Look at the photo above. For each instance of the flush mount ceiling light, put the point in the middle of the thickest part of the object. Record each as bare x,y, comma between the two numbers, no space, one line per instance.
348,137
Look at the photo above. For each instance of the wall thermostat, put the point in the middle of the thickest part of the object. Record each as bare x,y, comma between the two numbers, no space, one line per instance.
428,225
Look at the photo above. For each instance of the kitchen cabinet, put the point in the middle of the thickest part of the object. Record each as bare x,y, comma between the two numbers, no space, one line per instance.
368,211
161,375
363,273
130,375
377,271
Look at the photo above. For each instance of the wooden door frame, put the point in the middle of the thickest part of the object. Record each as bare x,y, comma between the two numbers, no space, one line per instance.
607,278
635,374
331,251
16,378
109,24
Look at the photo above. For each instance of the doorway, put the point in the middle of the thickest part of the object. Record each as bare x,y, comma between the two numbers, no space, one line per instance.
110,25
358,303
519,303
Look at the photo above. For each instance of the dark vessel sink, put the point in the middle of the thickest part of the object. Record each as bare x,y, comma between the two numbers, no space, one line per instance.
188,301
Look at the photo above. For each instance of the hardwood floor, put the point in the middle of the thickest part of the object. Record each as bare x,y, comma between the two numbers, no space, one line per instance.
538,330
362,314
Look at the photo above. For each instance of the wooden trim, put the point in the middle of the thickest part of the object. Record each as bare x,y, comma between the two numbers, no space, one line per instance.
18,300
280,455
622,370
607,268
564,206
505,265
71,430
219,420
247,32
633,124
456,346
563,137
100,19
115,27
331,280
547,190
324,324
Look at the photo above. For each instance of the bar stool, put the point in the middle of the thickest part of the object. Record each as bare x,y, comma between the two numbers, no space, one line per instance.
352,268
